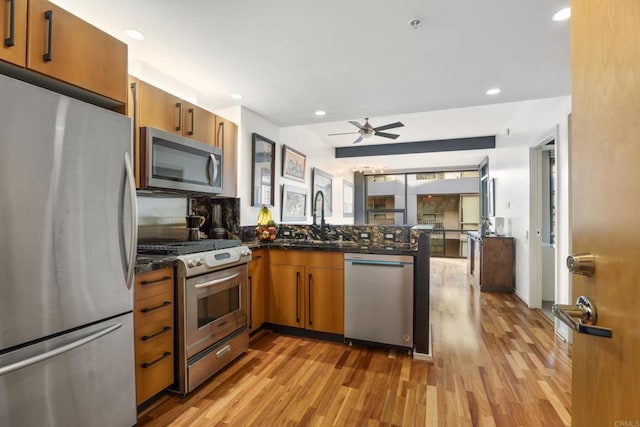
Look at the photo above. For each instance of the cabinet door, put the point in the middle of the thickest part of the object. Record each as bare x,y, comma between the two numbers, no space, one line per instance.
325,299
159,109
198,123
226,138
257,290
63,46
13,21
286,296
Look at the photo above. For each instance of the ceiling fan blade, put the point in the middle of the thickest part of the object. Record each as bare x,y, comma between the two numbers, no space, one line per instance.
387,135
356,124
358,140
389,126
343,133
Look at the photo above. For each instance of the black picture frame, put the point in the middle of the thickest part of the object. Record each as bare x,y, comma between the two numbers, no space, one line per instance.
263,161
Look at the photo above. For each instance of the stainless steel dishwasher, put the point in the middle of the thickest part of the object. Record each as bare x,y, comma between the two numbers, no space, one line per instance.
378,298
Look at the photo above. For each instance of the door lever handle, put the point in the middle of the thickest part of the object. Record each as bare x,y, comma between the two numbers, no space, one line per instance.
582,317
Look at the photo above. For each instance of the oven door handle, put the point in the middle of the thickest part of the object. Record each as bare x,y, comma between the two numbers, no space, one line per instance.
217,281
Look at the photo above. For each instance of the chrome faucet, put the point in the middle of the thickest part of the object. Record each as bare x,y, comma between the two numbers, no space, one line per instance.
315,208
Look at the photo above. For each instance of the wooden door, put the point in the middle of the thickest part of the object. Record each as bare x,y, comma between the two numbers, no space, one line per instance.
605,193
324,305
258,290
14,37
227,139
286,295
78,53
198,124
159,109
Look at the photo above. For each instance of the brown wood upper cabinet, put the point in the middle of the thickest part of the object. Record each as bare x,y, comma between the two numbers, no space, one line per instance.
227,138
198,123
62,46
13,21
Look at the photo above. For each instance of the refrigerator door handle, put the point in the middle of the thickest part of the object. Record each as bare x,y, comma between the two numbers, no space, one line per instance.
134,219
4,370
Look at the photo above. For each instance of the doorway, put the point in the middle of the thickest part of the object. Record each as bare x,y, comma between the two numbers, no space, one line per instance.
543,222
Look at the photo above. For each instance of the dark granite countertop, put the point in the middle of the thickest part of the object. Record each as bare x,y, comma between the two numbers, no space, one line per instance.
146,263
335,246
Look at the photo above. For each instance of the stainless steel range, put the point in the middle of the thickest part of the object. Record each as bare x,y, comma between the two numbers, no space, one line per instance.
212,313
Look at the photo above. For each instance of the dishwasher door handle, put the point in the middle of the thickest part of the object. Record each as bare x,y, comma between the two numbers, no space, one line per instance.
380,263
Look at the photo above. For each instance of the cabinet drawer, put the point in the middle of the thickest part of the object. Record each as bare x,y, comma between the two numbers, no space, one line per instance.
152,378
154,323
153,283
155,309
152,349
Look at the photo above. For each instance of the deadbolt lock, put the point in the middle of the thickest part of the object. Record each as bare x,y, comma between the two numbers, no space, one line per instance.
584,264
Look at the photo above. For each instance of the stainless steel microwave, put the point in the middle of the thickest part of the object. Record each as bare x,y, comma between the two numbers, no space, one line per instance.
173,162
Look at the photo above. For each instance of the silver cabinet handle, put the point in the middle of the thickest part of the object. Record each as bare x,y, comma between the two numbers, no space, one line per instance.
583,264
4,370
582,317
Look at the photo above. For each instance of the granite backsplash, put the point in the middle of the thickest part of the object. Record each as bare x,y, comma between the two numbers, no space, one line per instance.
374,235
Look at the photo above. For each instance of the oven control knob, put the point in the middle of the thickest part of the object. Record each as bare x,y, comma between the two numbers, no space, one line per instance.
245,252
199,262
191,263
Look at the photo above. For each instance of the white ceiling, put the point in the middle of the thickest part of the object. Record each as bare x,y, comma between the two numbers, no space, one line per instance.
353,59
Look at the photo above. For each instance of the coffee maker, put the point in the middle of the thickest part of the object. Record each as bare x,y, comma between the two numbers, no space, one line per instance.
194,222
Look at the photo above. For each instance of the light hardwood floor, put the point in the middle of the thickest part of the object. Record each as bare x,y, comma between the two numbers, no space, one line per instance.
496,363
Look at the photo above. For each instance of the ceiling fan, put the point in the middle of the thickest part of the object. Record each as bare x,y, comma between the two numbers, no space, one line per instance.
367,130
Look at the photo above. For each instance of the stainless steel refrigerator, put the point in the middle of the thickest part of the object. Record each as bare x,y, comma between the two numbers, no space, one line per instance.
67,251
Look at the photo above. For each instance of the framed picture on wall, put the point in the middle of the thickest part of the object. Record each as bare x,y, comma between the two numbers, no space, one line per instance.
294,203
293,164
347,199
322,181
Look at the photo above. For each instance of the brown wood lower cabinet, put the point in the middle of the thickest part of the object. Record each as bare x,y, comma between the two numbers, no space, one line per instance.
306,290
257,289
154,332
491,262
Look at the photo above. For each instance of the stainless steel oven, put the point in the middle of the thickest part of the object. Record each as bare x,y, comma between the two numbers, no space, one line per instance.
212,313
170,161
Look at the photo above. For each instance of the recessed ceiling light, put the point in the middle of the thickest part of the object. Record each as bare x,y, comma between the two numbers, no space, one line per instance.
562,14
415,22
236,96
134,34
493,91
320,113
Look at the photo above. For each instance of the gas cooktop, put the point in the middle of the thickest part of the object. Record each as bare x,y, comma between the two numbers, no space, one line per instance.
187,247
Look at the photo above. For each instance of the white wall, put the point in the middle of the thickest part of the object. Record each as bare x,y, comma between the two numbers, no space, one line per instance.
509,165
251,122
319,155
